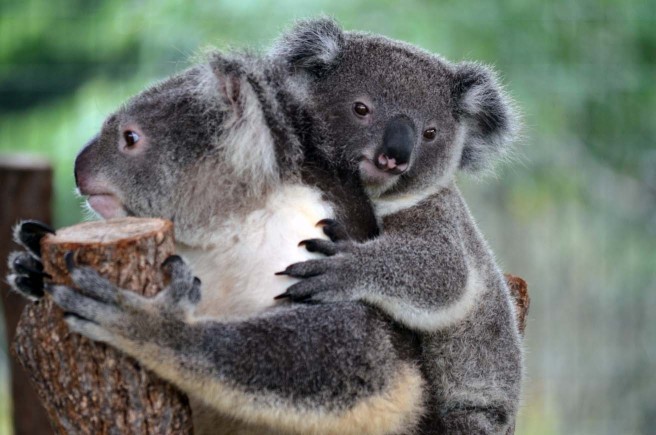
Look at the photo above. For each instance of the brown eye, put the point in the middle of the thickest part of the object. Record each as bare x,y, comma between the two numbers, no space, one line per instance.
360,109
131,138
430,134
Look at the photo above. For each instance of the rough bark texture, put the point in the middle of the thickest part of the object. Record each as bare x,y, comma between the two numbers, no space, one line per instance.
519,291
25,193
86,387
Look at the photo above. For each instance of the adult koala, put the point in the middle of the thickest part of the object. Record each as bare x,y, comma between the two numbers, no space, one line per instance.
226,151
409,120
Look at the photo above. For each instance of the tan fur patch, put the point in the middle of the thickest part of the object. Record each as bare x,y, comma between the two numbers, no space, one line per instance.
396,410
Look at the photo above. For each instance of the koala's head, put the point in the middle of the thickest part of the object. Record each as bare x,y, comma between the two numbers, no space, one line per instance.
188,149
407,118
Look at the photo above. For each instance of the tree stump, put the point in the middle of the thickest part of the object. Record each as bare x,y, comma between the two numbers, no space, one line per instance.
87,387
25,193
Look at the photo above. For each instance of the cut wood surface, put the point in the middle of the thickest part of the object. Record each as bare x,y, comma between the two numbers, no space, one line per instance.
25,193
87,387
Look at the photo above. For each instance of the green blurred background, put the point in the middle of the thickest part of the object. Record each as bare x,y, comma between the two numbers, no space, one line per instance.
575,215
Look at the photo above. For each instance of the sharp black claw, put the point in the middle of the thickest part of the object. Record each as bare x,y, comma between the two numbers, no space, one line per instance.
69,258
303,243
197,281
25,269
30,286
282,296
170,260
28,265
325,222
333,229
282,272
36,227
31,233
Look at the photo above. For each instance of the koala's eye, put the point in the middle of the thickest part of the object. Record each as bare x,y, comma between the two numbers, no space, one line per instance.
430,134
360,109
131,138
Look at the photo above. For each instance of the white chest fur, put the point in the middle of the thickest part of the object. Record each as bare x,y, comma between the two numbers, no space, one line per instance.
238,270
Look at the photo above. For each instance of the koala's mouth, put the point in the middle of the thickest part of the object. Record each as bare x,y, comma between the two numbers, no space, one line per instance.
371,174
106,205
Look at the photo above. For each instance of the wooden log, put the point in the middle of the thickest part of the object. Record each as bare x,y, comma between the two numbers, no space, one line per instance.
519,292
25,193
87,387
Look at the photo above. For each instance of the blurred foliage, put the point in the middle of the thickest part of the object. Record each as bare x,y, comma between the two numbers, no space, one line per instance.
575,214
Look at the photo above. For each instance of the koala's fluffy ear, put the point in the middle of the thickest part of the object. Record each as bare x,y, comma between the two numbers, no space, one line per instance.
313,46
229,76
488,114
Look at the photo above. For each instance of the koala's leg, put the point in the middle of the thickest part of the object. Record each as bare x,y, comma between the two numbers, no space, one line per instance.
332,368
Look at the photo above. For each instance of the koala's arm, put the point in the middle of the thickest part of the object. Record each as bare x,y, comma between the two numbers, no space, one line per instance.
417,271
334,368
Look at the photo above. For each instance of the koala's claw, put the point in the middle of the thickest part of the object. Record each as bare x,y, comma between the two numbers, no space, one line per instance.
26,264
26,275
325,247
30,287
335,231
312,290
172,261
305,269
29,233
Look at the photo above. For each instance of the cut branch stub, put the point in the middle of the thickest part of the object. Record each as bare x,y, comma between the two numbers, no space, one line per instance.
88,387
519,292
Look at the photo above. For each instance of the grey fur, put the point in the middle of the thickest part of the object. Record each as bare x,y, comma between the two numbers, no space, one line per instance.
332,360
430,269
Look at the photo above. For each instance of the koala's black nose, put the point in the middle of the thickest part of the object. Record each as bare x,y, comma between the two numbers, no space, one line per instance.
398,143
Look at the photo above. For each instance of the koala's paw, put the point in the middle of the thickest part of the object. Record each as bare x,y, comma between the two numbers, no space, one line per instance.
102,312
25,268
183,292
29,234
26,275
323,280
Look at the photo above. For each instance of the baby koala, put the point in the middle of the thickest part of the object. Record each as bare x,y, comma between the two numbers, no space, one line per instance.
410,120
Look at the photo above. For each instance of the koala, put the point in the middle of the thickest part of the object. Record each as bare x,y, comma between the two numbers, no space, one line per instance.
409,120
228,153
345,364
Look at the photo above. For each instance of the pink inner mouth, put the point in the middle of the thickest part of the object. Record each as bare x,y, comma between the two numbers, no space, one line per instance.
106,205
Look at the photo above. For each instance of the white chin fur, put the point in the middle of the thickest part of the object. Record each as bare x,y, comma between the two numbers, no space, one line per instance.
376,182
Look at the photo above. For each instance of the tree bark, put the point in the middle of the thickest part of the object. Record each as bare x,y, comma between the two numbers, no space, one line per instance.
25,193
519,292
87,387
